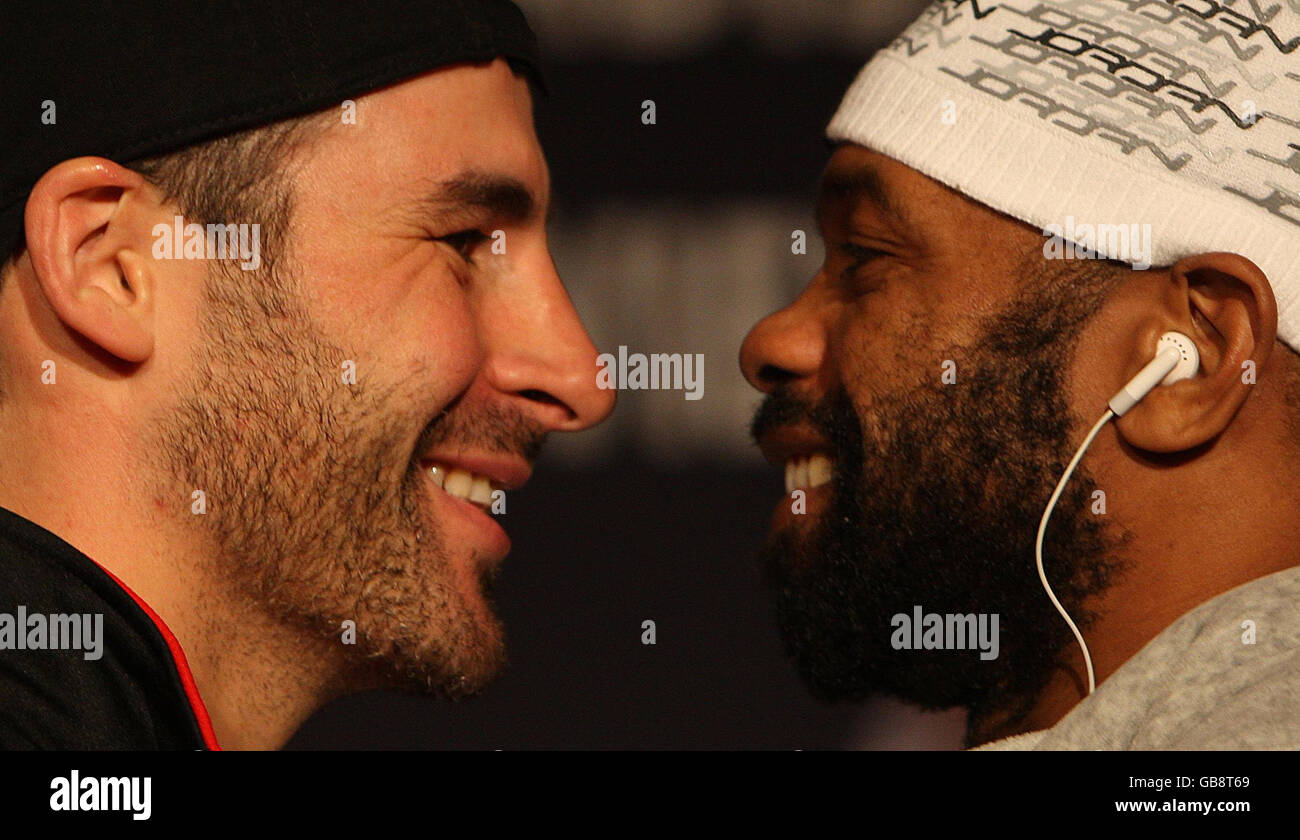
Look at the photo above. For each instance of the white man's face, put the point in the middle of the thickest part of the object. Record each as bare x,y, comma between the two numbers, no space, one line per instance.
427,328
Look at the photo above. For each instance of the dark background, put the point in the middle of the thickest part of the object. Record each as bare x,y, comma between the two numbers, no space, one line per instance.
672,237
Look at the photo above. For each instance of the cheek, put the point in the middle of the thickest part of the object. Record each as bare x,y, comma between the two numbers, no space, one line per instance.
877,340
434,335
415,321
913,333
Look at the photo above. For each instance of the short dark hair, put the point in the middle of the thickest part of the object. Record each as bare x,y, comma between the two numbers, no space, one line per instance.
235,178
1291,390
239,177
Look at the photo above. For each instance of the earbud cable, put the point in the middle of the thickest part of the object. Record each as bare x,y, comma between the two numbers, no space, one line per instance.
1042,529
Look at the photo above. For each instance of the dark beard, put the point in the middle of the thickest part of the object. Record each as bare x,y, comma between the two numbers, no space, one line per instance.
941,511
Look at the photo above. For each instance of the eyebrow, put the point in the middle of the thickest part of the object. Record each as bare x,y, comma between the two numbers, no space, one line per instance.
862,183
500,196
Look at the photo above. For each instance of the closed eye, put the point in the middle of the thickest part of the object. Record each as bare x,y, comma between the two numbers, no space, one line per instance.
860,254
465,241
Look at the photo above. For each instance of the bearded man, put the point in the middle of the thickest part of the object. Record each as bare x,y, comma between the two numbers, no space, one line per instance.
1023,198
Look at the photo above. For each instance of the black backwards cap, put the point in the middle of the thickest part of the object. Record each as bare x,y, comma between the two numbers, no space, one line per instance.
131,80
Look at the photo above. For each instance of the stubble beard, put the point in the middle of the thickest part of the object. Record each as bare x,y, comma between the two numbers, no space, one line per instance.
314,504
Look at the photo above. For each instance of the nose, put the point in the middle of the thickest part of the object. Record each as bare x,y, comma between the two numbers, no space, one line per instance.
539,353
785,348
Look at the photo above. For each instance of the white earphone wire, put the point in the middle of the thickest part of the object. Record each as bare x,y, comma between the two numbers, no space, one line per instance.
1042,529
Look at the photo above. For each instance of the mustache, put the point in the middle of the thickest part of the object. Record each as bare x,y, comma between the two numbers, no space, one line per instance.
832,416
494,429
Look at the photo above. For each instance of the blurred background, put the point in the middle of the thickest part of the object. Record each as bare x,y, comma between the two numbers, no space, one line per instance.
673,237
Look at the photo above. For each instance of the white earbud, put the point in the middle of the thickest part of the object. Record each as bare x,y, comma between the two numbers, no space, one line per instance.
1176,358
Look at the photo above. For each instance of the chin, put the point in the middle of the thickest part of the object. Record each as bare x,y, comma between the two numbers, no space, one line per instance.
457,660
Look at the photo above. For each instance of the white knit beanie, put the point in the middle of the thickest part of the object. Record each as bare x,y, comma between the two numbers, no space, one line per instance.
1183,115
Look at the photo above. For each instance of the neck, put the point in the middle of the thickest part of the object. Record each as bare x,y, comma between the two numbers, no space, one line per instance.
1222,528
258,678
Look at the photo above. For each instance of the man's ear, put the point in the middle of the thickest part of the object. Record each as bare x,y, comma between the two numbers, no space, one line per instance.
86,254
1224,303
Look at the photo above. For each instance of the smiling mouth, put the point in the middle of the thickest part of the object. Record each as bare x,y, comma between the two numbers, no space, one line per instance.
807,471
464,485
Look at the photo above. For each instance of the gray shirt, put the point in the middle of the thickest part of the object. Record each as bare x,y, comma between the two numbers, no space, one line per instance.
1199,685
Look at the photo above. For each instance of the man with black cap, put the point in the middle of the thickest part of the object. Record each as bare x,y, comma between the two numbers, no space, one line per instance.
280,327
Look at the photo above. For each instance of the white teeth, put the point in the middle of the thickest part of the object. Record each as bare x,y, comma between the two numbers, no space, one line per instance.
458,483
481,491
805,472
819,470
462,484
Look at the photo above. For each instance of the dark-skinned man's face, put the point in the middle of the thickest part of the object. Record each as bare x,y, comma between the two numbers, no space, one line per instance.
924,489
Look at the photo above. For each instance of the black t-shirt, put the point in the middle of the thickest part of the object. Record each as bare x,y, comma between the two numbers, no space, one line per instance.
134,693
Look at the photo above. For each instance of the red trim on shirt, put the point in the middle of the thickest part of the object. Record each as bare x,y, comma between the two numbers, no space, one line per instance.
182,666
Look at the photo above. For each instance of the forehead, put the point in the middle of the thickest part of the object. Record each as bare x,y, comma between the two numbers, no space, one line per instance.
862,184
435,126
859,179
